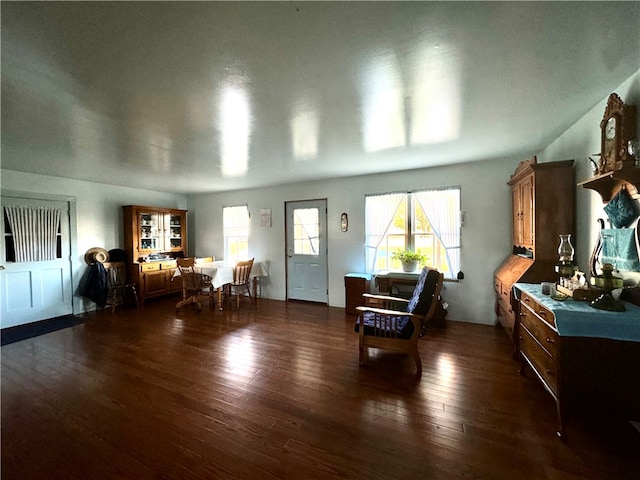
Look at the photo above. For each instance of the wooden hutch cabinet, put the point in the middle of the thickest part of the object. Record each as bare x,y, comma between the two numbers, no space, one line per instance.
543,196
153,238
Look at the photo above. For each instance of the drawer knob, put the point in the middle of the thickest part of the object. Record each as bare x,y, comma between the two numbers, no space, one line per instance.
549,372
542,312
550,340
526,299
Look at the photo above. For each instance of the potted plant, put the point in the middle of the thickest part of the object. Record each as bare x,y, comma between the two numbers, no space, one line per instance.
409,259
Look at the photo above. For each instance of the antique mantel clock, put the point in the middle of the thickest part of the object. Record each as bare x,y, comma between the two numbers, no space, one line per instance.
618,127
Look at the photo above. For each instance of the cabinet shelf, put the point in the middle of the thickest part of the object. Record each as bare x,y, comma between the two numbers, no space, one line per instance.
609,183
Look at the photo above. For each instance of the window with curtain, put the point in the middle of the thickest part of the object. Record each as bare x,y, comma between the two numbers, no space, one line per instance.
32,234
235,222
426,221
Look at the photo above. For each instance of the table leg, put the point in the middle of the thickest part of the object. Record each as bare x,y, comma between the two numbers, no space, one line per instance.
220,298
255,288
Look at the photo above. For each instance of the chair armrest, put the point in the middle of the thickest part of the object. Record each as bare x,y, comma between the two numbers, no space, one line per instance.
382,301
385,311
385,298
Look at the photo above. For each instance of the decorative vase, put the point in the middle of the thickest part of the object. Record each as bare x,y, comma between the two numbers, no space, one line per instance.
410,266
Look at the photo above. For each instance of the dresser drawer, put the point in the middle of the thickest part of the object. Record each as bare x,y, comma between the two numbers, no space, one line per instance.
545,335
542,362
538,309
149,267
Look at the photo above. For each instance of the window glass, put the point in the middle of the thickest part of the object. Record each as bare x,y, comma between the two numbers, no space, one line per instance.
306,231
236,233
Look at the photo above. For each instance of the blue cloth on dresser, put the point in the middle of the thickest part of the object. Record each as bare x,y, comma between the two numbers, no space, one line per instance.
619,248
578,319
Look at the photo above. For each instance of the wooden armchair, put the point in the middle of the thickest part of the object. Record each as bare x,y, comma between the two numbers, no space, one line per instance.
381,327
194,284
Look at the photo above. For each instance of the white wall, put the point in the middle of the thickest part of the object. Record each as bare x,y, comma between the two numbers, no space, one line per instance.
98,213
579,142
486,199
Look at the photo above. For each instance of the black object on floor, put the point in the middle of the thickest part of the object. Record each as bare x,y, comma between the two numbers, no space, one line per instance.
29,330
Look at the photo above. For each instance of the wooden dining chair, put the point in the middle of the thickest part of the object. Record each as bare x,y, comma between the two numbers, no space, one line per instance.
241,281
194,284
117,286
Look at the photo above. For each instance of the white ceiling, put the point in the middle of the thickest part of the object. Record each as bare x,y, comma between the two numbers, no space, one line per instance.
213,96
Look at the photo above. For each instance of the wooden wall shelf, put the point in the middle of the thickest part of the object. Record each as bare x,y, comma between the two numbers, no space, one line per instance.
608,184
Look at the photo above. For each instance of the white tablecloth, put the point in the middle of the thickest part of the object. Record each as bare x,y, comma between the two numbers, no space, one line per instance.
221,273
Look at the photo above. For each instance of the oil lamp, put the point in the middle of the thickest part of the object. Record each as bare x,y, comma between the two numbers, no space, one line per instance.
565,267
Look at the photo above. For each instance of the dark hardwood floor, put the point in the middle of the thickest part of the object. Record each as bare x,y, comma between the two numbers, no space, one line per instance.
275,392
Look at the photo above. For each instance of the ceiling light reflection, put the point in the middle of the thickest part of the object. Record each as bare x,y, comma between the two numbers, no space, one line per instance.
235,131
436,99
417,105
304,133
383,105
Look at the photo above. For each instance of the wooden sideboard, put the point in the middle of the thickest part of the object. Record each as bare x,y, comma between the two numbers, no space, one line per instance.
582,356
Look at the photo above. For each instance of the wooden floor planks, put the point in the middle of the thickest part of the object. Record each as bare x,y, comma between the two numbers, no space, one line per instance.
274,391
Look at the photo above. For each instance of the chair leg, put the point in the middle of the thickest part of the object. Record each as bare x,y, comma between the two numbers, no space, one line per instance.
416,357
135,294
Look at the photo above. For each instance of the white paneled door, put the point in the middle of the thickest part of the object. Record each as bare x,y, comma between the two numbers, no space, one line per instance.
40,289
306,250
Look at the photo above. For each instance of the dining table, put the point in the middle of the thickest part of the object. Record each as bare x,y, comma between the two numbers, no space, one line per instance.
221,273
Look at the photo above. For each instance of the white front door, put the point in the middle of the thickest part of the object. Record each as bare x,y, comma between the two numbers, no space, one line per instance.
32,291
306,248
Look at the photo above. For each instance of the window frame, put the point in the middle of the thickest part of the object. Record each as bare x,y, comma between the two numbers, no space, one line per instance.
231,240
447,257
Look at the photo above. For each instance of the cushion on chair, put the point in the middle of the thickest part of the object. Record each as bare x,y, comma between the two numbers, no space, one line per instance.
405,325
425,287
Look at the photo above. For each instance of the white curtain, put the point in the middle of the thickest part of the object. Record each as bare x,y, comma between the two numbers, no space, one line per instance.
35,231
442,208
379,213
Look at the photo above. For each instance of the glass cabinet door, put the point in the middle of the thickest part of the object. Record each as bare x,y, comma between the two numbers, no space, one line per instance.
173,231
150,231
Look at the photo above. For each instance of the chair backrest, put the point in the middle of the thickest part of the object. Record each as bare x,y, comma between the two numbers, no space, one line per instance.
242,272
190,279
205,260
427,290
116,273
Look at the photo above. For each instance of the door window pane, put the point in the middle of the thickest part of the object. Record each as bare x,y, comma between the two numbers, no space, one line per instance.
306,231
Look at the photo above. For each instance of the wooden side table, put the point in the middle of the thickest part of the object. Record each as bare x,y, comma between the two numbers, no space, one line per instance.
355,285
